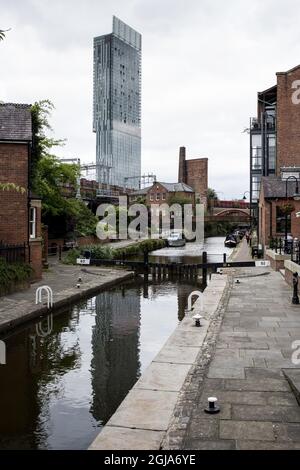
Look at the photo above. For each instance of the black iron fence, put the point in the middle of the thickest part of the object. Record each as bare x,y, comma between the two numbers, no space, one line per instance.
13,253
287,247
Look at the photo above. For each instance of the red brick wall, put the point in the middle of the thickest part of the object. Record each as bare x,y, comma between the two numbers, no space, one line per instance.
265,223
194,173
13,205
36,258
197,177
182,166
288,121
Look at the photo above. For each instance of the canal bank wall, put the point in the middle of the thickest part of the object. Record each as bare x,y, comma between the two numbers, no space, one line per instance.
20,307
142,419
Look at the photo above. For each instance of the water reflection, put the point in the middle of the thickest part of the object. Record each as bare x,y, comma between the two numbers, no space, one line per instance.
115,365
56,391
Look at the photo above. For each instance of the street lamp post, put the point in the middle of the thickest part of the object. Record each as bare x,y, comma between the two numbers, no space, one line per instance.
296,197
244,199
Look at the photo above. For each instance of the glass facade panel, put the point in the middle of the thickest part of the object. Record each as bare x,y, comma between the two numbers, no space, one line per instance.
255,187
117,106
272,152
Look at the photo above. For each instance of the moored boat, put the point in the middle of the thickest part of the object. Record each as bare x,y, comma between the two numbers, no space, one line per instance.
176,239
230,241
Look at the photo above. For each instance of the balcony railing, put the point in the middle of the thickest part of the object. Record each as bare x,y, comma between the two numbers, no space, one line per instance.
269,123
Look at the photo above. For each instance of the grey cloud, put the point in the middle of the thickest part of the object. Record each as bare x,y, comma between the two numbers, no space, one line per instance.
203,63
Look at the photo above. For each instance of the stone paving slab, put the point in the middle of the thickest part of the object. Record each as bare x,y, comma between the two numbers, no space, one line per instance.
193,338
266,413
262,445
247,430
163,376
177,355
258,385
145,409
197,444
115,438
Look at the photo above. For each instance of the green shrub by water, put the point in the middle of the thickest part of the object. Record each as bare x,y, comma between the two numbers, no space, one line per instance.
138,248
105,252
12,274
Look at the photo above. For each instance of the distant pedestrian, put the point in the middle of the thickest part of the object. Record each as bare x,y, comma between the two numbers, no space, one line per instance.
247,237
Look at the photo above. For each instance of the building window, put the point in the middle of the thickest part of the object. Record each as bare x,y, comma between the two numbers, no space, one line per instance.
157,196
151,197
255,187
272,152
32,222
163,196
280,221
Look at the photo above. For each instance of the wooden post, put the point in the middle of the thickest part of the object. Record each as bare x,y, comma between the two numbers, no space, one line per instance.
146,262
204,270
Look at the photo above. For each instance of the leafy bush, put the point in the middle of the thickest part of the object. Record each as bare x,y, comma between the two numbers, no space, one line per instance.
106,252
138,248
99,251
72,255
12,274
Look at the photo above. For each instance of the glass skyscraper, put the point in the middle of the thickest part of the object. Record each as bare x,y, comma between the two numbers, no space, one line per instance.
117,105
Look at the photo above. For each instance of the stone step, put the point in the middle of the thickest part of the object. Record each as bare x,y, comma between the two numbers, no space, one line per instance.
293,378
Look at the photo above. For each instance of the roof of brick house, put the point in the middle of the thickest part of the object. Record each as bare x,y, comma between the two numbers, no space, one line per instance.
15,122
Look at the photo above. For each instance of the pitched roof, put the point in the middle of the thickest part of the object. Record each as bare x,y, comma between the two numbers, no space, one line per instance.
140,192
275,187
176,187
15,122
170,187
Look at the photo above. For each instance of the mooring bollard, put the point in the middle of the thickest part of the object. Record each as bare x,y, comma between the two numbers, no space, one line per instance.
295,299
212,406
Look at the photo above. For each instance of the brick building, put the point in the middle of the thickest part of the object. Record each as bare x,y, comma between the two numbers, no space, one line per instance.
288,119
275,134
20,213
163,193
194,173
277,213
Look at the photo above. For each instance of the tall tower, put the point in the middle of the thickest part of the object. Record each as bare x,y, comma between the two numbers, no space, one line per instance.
117,105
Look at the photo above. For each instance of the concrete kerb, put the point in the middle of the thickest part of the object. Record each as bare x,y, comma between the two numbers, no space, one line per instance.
143,418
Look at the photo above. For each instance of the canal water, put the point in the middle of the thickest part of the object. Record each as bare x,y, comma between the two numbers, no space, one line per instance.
57,390
192,252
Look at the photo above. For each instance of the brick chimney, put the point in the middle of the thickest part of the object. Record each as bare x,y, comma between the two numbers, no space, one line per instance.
182,166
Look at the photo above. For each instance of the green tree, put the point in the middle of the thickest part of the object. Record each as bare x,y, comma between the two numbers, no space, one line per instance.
55,181
211,194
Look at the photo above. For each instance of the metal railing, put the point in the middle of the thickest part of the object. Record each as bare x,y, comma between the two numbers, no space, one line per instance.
286,247
13,253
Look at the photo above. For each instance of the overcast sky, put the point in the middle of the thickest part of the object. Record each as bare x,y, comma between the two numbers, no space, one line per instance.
203,62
